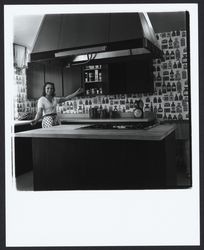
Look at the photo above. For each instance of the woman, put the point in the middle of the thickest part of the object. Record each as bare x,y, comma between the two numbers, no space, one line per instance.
47,103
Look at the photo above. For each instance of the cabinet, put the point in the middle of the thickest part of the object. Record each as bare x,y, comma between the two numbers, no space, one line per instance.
35,80
95,79
71,79
53,73
134,76
38,74
66,80
48,37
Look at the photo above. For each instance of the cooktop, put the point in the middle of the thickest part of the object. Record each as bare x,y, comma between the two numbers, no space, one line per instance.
137,125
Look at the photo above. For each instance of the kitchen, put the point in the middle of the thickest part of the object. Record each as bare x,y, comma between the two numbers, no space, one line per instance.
130,129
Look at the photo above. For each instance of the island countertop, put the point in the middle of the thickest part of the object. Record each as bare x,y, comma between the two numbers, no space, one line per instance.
77,131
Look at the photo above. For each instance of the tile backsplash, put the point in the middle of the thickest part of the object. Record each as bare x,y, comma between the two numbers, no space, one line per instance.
21,103
170,99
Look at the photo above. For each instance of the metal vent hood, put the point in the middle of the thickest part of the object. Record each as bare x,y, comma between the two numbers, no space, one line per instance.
141,40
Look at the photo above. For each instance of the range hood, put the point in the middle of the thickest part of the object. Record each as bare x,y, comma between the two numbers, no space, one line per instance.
126,35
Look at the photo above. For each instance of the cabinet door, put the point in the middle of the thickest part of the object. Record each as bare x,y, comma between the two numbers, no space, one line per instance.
139,76
117,76
53,73
71,79
35,80
48,37
123,26
84,30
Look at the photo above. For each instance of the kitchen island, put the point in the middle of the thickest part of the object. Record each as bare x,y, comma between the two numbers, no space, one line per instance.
76,157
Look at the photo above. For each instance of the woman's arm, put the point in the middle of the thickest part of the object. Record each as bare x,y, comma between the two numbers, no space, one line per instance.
66,98
37,116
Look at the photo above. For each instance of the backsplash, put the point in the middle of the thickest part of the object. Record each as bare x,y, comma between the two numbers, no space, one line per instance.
170,99
21,103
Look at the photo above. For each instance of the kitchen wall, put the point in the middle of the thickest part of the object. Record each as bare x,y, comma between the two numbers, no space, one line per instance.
170,100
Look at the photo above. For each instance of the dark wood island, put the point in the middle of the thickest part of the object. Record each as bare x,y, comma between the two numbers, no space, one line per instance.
71,157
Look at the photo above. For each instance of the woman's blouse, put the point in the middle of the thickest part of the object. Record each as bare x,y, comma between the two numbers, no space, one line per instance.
47,106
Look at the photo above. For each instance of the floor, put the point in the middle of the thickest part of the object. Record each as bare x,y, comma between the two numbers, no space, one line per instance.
25,182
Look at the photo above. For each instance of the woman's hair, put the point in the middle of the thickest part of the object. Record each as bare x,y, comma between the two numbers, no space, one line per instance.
48,83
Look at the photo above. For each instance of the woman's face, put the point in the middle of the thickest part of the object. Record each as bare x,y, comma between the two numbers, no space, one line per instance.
49,90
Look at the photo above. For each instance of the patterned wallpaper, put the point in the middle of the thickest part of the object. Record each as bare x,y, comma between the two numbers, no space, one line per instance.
170,99
21,103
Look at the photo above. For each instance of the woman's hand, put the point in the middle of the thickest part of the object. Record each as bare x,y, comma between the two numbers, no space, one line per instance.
79,91
69,97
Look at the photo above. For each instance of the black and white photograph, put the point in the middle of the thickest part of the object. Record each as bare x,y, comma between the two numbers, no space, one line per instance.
102,125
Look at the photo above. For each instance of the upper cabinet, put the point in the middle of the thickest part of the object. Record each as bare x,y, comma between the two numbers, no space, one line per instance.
53,73
48,36
71,80
35,80
84,30
38,74
122,27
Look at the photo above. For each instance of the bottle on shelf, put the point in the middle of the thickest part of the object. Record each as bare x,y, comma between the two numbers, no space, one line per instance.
99,76
96,76
131,103
100,91
86,77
